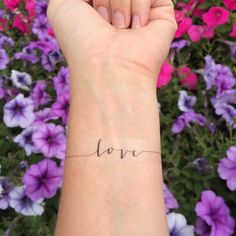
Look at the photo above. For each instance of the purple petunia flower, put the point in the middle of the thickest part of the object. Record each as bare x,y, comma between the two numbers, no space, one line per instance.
38,94
61,107
201,164
24,139
40,26
55,56
227,168
210,72
23,204
185,119
180,44
213,216
43,116
41,7
5,187
2,86
21,80
224,78
27,54
223,107
5,40
45,45
42,180
61,81
227,111
19,112
177,225
232,46
50,140
186,102
4,59
170,201
218,75
46,63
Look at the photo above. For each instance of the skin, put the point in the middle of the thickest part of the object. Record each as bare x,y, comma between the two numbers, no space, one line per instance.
113,71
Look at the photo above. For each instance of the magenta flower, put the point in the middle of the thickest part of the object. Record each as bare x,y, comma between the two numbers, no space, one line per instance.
215,16
230,4
189,78
170,201
233,32
19,112
11,4
42,180
227,168
50,139
195,32
165,75
183,27
213,216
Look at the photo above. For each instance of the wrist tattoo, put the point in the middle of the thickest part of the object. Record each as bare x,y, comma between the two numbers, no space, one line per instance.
122,152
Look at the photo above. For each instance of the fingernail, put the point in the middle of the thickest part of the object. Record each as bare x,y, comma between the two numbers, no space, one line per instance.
136,21
119,19
103,11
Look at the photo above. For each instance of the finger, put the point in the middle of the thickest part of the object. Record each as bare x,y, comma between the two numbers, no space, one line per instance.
140,12
121,13
103,8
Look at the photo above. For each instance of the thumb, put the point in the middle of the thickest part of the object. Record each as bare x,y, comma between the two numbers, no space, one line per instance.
161,24
74,23
67,15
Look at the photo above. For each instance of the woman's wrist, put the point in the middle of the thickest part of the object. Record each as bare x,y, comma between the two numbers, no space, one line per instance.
103,80
115,101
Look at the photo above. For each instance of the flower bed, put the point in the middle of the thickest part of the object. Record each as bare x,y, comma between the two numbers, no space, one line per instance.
196,90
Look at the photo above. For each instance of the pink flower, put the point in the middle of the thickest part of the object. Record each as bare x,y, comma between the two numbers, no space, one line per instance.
165,75
21,22
208,32
230,4
189,78
11,4
179,15
215,16
195,32
3,24
183,27
233,33
30,7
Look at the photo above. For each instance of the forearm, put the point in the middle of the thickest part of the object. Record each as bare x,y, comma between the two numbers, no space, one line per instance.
106,194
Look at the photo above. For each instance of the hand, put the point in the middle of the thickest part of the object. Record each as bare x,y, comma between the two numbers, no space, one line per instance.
89,41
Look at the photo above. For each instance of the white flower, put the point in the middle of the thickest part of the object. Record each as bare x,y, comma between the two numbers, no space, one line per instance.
23,204
186,102
177,225
21,80
19,112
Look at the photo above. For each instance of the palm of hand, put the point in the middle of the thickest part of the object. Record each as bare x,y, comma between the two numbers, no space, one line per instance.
85,37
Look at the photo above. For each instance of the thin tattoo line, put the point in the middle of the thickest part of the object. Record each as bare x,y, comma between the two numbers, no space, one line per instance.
110,150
